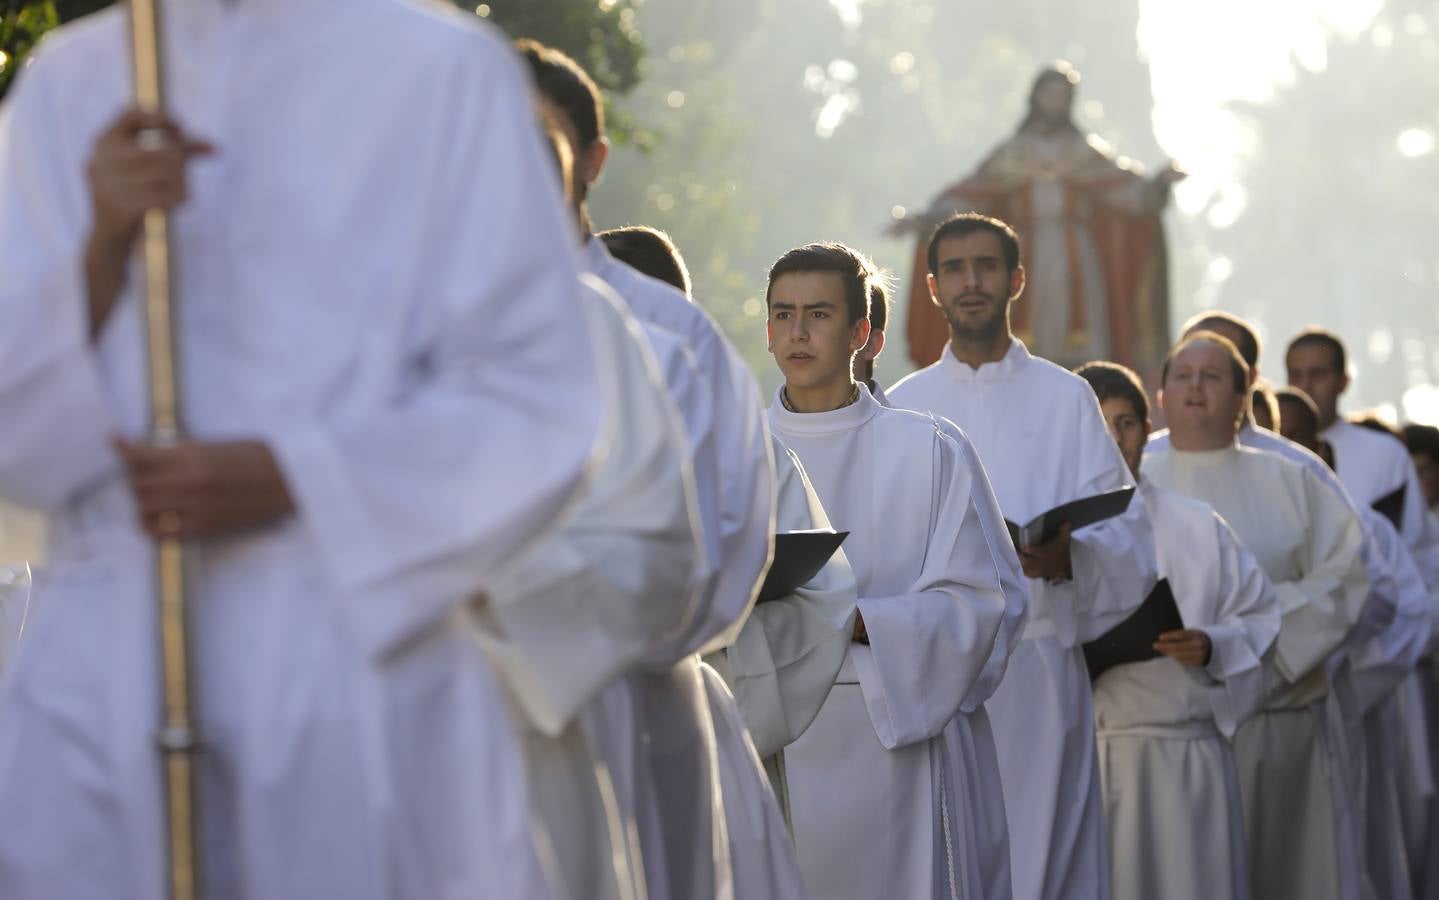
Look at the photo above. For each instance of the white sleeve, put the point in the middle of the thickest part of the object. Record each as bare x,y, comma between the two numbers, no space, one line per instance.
1244,629
929,646
786,657
57,413
1319,609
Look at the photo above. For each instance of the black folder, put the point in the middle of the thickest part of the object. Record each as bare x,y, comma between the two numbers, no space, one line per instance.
1132,640
1078,513
1391,505
798,557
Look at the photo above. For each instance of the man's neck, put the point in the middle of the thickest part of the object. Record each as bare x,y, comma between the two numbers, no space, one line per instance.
976,353
1198,442
821,398
1327,419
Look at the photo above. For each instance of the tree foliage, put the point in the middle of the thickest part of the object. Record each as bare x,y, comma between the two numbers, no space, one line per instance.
21,25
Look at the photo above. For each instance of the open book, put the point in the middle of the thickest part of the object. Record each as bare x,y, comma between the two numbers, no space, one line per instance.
1078,513
1391,505
1132,640
798,557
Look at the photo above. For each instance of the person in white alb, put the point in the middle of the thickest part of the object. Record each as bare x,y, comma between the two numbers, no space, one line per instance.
1171,791
1308,542
881,783
1040,435
379,420
704,768
1382,652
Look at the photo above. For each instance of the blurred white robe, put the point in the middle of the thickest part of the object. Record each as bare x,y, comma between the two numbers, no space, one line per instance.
570,618
879,783
1171,791
682,823
786,658
1308,542
1043,442
432,404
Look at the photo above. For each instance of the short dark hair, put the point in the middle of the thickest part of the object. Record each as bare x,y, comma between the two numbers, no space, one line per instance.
1249,344
1422,440
563,82
1263,395
560,150
1237,366
1298,399
651,251
829,256
1111,381
1322,337
963,224
878,300
1372,421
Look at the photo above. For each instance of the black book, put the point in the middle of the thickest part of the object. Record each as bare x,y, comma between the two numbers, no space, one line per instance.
1078,513
1132,640
798,557
1391,505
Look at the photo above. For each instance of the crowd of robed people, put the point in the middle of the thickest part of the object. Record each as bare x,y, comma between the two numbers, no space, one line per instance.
480,503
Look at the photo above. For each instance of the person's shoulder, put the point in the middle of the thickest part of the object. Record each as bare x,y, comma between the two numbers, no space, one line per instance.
1058,381
75,46
437,33
911,428
915,381
1163,502
1372,442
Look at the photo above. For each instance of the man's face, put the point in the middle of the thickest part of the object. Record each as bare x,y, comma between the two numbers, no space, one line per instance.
1312,369
808,329
1199,396
973,286
1297,423
1129,430
1428,469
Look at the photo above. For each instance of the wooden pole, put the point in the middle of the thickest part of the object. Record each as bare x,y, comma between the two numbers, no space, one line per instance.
177,737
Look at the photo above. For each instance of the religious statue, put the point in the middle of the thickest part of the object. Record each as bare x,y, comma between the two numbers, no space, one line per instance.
1089,222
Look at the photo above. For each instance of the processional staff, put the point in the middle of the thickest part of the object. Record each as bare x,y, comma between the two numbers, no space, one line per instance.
177,737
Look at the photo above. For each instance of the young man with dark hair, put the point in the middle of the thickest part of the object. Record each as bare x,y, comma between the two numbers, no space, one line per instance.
1043,442
1264,406
865,359
1308,543
886,787
734,473
1171,787
1370,465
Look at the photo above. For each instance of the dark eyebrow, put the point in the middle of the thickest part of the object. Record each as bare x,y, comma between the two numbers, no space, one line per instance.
811,304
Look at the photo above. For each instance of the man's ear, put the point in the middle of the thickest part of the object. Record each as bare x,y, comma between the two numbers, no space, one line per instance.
874,346
933,289
768,336
1159,398
860,336
1016,282
1344,383
591,163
